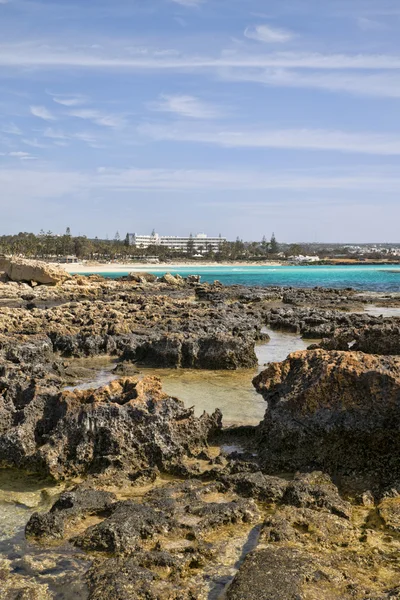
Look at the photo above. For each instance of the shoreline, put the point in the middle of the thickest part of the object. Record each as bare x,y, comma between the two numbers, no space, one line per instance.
141,267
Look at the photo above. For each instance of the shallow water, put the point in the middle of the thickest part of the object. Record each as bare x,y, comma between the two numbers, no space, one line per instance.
380,278
378,311
230,391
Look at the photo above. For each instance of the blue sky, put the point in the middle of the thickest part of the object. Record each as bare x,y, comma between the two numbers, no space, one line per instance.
239,117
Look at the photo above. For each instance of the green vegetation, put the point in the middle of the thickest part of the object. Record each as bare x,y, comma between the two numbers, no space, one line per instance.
51,246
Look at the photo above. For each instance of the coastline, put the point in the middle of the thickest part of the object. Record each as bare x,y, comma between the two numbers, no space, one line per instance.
141,267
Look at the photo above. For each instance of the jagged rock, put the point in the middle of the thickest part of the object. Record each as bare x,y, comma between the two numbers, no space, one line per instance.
258,486
220,351
22,269
316,491
120,533
171,280
335,411
140,277
75,504
126,579
127,426
389,511
296,525
271,574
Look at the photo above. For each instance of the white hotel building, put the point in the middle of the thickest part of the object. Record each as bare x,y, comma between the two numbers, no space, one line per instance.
201,242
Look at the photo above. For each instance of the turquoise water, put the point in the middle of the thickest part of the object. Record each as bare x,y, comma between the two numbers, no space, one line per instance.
364,277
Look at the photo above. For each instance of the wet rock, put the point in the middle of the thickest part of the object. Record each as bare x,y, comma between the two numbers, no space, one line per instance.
331,411
124,579
45,525
307,526
258,486
271,574
119,533
218,514
316,491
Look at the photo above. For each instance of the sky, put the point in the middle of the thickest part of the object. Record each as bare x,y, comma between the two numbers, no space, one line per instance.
239,117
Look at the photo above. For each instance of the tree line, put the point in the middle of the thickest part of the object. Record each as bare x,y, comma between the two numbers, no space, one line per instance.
50,246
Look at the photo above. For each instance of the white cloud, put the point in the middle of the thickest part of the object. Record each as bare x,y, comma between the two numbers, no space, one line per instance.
42,113
267,34
11,129
290,139
186,106
54,134
189,3
34,55
99,118
70,100
22,155
366,24
376,84
61,138
27,183
34,143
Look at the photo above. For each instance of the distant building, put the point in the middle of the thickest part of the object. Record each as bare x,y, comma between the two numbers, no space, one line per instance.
307,259
201,242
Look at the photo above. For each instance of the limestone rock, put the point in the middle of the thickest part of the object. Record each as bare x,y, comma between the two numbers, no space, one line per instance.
335,411
22,269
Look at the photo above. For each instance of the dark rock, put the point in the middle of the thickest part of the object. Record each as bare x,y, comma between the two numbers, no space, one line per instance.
258,486
119,533
45,525
337,412
316,490
271,574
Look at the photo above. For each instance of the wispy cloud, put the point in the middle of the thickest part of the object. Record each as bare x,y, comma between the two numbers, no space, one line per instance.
70,100
293,139
62,138
186,106
99,118
40,183
34,55
189,3
42,113
386,84
366,24
22,155
11,129
268,34
34,143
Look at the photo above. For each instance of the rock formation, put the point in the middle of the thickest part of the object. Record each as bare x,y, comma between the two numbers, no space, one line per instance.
334,411
33,271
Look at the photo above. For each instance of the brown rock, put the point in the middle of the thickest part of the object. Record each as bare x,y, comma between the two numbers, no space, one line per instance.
21,269
336,411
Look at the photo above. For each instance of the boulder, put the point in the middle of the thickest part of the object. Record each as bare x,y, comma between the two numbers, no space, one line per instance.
171,280
331,411
22,269
139,277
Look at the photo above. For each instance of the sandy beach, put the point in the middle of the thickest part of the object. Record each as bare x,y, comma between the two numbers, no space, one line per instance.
130,267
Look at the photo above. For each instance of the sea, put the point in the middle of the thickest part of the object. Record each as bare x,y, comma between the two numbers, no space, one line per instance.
360,277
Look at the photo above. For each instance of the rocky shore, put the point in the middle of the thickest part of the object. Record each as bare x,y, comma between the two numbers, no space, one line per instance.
137,498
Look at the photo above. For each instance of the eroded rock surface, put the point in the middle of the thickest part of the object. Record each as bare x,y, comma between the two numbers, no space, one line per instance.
128,426
335,411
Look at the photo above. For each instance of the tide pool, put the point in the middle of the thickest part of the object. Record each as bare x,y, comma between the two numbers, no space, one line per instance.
361,277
